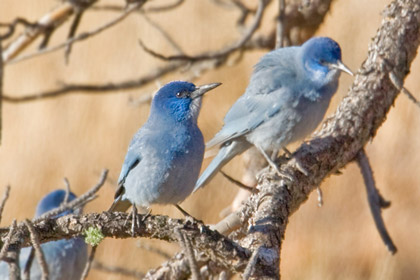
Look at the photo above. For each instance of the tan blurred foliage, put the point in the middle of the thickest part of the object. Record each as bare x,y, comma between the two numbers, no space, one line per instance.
77,135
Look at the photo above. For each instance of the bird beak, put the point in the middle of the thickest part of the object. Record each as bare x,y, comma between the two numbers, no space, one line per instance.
200,90
340,66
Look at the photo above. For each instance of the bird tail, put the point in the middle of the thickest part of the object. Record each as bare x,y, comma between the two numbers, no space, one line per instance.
119,205
225,154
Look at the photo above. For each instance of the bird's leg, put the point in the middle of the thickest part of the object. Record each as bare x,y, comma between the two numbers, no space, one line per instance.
134,221
274,154
273,164
188,216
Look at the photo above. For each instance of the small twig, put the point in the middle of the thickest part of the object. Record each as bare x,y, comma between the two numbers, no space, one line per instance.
165,34
68,190
117,270
320,197
72,32
81,36
399,85
238,183
280,25
12,26
157,9
38,250
189,252
7,241
1,89
78,202
88,263
164,8
228,224
28,265
376,201
217,54
14,266
154,250
3,200
98,89
251,264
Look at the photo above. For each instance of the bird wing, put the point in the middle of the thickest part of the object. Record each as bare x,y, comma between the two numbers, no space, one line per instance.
270,87
132,159
249,112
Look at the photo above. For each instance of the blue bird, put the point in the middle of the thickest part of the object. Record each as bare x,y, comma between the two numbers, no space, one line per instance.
66,259
165,155
287,97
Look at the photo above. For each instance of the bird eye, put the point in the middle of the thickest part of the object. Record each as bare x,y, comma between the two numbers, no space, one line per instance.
322,61
179,94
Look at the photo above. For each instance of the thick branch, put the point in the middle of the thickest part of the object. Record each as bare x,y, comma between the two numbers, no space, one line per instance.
216,246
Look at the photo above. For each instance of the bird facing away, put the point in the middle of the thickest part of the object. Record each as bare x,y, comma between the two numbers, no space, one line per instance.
66,259
164,158
287,97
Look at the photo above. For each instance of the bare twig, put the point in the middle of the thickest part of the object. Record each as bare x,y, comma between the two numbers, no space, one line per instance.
38,250
72,32
251,264
68,190
189,252
156,9
14,265
238,183
280,25
76,203
165,34
88,263
216,54
28,265
376,201
81,37
400,86
1,89
228,224
320,197
117,270
3,200
7,240
97,89
54,18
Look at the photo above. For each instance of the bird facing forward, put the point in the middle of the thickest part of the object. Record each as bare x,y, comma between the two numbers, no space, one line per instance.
165,156
287,97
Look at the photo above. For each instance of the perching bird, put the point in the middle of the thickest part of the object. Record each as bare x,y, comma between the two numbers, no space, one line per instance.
286,99
66,259
165,156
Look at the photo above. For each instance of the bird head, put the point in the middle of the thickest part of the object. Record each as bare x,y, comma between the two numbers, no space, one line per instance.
322,56
179,100
53,200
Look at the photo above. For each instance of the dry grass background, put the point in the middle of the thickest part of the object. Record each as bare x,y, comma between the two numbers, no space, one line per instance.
78,135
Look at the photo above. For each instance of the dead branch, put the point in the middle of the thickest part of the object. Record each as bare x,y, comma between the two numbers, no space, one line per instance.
223,53
97,89
4,200
376,201
81,37
38,250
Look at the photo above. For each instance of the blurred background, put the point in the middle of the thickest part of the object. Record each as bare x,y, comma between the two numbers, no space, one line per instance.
76,136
